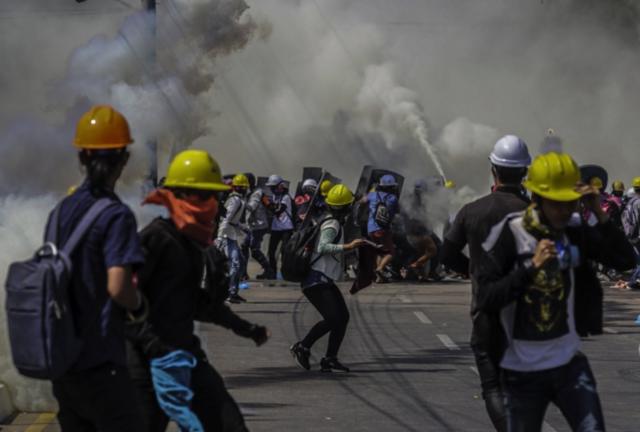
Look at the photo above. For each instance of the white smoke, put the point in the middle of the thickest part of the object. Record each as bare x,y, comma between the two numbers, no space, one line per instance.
385,107
337,83
163,93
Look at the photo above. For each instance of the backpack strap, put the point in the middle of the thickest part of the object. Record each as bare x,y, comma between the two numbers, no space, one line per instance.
85,223
51,235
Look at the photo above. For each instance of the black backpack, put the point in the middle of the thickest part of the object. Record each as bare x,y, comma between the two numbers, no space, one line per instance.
382,216
297,252
45,342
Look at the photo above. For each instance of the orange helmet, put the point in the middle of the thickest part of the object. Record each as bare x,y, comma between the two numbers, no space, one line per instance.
102,128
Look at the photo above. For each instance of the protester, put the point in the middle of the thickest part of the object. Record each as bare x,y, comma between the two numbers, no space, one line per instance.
97,393
232,234
185,281
631,224
383,207
320,288
529,276
509,161
303,200
281,207
260,225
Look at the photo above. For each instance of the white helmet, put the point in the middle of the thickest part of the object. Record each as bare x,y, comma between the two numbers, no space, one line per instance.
274,180
309,184
510,152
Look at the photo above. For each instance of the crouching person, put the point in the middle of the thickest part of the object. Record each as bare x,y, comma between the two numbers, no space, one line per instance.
181,281
533,276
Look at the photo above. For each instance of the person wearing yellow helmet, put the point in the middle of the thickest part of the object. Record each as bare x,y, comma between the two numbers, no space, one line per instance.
319,286
179,252
618,190
98,384
233,232
325,187
528,277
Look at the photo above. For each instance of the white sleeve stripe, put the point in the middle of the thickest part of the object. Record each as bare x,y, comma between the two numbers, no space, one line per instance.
495,232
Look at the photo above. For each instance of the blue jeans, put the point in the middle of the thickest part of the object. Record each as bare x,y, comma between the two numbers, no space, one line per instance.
636,274
236,264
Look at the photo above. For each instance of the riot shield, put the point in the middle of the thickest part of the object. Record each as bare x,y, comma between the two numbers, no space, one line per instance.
588,172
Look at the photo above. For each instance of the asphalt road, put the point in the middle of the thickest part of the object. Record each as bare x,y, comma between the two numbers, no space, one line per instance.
412,369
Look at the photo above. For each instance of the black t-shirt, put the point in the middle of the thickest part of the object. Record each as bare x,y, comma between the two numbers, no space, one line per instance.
475,220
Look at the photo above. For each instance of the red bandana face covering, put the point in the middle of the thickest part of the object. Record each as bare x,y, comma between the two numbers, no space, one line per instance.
193,217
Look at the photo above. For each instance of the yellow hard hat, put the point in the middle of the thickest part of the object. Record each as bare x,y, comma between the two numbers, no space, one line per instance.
554,176
240,180
195,169
102,128
325,187
618,186
636,182
596,182
339,196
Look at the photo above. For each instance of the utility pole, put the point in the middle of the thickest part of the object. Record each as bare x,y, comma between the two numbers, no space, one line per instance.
151,180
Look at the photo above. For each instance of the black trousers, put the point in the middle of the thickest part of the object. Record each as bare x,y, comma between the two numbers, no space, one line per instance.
102,399
494,398
212,403
328,300
572,388
275,239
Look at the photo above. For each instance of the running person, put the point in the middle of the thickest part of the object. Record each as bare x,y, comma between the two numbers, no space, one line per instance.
319,287
530,276
179,279
509,161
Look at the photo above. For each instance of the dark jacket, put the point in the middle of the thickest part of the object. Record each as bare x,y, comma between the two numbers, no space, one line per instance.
183,283
502,277
471,226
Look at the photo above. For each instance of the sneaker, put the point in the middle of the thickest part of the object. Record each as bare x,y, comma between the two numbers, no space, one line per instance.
301,355
235,299
331,364
381,278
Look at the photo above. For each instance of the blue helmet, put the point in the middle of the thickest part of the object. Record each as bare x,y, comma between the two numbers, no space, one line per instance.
388,180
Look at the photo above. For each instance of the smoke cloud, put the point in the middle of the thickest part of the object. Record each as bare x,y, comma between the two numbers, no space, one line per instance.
423,87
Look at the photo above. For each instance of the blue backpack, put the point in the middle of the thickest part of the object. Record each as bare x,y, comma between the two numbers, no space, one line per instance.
44,340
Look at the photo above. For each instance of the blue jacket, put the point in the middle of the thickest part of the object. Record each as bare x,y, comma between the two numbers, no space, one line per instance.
390,200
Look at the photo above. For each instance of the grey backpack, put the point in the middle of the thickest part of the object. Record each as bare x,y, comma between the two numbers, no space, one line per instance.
45,342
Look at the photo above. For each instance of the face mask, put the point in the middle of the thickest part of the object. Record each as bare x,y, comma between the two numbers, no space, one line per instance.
193,216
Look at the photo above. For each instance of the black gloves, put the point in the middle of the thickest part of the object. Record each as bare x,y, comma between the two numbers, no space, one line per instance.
141,335
258,334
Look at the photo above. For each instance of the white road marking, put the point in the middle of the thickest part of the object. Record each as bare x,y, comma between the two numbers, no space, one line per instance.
446,340
422,317
404,299
609,330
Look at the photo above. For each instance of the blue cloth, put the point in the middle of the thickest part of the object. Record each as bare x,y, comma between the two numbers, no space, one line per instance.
112,241
171,376
390,200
